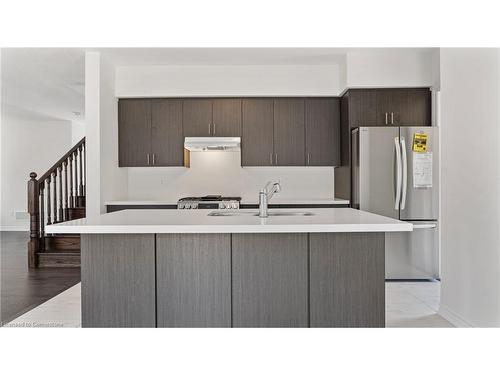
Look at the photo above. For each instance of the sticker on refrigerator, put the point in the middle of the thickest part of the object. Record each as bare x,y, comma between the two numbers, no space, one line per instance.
419,142
422,170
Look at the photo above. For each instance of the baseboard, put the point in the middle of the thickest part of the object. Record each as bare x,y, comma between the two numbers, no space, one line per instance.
453,317
14,228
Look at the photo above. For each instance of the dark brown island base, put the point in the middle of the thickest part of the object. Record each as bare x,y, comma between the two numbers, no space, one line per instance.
233,280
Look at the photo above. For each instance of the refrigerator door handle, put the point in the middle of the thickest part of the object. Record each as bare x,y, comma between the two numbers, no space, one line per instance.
404,186
398,173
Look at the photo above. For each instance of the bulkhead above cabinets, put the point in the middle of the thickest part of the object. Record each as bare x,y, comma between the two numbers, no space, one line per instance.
280,131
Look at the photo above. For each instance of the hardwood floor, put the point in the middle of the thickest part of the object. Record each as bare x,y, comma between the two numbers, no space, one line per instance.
21,288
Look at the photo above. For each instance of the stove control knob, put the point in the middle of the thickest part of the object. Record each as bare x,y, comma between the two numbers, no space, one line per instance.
235,205
180,206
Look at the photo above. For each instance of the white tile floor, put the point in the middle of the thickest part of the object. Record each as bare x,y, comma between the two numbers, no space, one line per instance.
408,304
413,304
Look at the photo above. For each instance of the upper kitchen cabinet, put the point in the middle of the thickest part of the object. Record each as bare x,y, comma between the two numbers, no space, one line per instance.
134,132
167,141
362,107
418,111
381,107
150,132
226,118
197,117
257,140
212,117
322,122
289,132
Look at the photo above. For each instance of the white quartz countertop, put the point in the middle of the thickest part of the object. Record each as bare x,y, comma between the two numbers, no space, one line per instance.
198,221
275,200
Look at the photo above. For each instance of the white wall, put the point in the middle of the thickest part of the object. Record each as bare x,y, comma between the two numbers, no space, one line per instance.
227,80
389,67
470,195
77,131
27,145
105,181
221,173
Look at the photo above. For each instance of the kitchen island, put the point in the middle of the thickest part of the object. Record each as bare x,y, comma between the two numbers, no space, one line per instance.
169,268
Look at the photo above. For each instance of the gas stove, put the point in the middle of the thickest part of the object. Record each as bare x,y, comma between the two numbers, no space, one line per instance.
213,202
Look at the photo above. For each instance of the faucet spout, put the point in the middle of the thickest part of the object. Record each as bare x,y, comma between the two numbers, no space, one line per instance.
265,195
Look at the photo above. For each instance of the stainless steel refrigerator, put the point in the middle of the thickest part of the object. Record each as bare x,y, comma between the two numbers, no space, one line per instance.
396,174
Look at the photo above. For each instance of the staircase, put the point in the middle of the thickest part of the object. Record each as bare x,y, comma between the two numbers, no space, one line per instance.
57,196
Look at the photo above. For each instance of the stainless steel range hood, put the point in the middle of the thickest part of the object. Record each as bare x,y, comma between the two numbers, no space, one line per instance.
212,143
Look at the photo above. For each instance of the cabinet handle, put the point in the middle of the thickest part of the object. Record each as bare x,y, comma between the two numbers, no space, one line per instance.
386,120
214,128
148,159
276,159
208,128
153,159
308,158
271,158
392,118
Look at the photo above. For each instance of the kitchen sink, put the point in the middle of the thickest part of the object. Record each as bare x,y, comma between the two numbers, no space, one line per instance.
253,213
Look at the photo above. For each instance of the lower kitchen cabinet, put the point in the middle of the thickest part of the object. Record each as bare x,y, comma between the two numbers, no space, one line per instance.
118,280
270,280
347,280
193,277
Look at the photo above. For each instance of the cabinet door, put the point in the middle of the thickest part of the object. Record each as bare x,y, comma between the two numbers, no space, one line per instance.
193,280
289,132
362,108
134,132
257,132
167,141
417,108
118,280
322,132
385,105
270,280
197,117
226,121
347,280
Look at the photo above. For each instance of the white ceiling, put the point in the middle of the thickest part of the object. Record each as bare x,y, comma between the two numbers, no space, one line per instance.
44,82
224,56
49,82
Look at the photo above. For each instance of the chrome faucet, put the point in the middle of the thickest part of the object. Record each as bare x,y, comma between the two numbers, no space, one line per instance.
265,195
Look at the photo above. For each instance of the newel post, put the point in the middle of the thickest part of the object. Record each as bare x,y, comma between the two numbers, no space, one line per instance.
34,212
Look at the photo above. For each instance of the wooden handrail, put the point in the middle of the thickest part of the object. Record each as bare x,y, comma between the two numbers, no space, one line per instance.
54,203
60,161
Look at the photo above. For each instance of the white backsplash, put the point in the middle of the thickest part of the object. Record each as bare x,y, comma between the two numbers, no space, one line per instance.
217,172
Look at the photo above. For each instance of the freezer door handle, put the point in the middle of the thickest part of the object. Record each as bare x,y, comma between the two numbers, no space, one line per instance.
404,186
424,226
398,173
